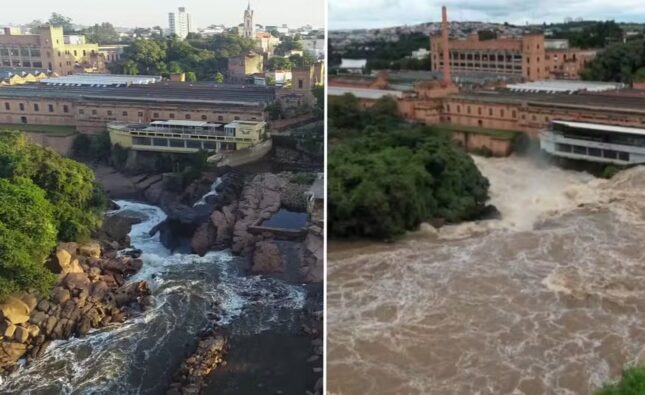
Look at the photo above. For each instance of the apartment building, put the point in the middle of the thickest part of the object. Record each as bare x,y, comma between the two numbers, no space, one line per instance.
50,49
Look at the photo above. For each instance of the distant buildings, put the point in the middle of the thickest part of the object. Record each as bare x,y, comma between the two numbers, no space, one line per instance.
179,23
50,49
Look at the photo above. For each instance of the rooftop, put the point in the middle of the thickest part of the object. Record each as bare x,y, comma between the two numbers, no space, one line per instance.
167,91
614,100
362,93
101,80
554,86
602,128
353,63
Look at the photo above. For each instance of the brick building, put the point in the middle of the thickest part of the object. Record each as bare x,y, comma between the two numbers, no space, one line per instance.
529,56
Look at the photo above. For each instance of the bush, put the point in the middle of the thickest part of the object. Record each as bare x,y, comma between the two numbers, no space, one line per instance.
610,171
632,382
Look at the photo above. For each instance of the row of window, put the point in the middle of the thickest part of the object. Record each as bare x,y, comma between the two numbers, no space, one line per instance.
501,112
21,63
590,151
36,107
177,143
157,115
483,56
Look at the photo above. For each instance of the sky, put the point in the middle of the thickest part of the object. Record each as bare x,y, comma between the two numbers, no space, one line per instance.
352,14
148,13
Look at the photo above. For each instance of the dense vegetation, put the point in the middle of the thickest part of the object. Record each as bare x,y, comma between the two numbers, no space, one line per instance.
632,383
623,62
45,198
385,177
382,54
590,34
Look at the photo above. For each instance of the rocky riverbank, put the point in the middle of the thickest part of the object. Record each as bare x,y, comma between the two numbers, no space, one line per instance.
91,293
217,212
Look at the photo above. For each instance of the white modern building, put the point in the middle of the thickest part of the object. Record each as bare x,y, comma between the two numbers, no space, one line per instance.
315,47
179,23
594,142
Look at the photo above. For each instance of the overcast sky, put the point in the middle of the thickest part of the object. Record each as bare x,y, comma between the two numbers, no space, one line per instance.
148,13
348,14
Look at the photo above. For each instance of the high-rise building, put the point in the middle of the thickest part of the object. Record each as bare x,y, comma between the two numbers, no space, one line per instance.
179,23
248,30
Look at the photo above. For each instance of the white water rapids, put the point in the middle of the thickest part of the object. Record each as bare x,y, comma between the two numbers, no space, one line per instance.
548,300
140,356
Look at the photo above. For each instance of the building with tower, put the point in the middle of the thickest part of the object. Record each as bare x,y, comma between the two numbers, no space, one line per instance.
248,29
179,23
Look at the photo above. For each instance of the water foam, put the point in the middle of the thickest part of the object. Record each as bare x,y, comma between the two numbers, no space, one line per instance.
547,300
187,289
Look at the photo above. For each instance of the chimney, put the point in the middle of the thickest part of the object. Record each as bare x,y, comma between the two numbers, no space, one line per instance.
445,44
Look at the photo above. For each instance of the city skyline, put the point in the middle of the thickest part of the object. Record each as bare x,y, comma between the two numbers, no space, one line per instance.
204,13
354,14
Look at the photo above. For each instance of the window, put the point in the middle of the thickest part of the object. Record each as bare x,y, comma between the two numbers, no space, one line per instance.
490,112
81,111
220,118
51,108
237,118
300,84
501,113
65,108
468,109
7,106
171,116
514,114
93,112
187,116
204,117
140,113
156,115
124,113
36,107
109,113
22,107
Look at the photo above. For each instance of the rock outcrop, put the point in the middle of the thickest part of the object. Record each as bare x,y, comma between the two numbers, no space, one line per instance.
191,376
267,258
90,294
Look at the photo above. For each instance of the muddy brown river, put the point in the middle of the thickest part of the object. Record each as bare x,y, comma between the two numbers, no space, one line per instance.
548,300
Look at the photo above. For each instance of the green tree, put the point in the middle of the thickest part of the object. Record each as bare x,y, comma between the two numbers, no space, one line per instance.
385,176
287,45
62,21
279,63
219,78
105,33
191,76
27,235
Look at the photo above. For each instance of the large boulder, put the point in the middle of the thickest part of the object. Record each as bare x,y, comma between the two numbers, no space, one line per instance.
15,310
62,261
77,282
10,352
116,227
267,258
91,249
203,239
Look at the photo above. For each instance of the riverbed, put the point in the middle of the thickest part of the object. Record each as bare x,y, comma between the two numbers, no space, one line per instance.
140,356
548,300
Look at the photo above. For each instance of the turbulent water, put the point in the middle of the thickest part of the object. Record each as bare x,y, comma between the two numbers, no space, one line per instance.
140,356
548,300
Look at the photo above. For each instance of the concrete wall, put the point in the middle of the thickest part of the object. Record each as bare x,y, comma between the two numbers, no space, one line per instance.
245,156
473,141
62,145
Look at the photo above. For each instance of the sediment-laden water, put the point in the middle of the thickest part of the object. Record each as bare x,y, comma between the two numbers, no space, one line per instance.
140,356
549,300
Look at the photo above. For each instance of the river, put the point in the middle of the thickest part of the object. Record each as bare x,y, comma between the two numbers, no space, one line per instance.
140,356
548,300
